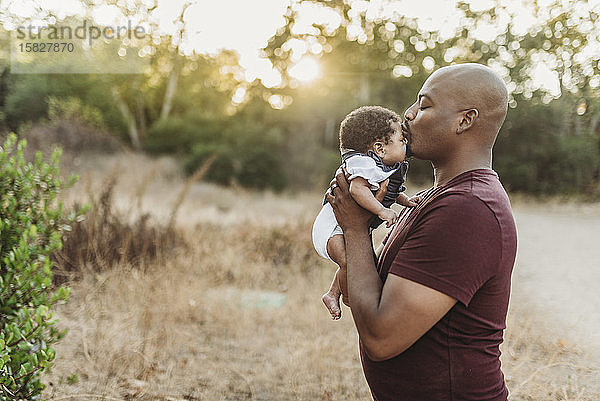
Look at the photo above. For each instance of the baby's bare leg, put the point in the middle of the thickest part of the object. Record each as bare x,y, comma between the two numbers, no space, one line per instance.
337,251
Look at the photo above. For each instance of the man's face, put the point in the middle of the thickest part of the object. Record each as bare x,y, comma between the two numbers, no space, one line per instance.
431,119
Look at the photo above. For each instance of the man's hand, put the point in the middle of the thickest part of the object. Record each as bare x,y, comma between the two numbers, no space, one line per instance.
349,214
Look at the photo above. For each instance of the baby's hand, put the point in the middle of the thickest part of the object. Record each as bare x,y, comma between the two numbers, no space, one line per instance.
404,200
388,215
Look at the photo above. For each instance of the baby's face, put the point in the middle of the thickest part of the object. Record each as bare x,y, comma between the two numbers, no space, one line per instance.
395,149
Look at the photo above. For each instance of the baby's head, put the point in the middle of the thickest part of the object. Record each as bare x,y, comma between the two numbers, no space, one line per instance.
374,128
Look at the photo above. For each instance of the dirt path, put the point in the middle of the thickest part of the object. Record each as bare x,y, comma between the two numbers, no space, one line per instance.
558,270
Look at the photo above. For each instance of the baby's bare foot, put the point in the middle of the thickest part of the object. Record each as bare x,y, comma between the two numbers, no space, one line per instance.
332,302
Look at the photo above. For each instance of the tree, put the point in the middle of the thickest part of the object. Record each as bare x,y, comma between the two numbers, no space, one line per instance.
374,57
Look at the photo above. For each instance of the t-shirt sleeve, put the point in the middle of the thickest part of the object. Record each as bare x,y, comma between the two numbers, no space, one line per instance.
454,248
365,167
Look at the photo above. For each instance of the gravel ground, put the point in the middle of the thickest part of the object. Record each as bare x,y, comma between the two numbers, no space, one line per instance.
558,269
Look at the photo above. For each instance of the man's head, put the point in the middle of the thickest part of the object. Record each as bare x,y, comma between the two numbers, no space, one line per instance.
366,125
460,107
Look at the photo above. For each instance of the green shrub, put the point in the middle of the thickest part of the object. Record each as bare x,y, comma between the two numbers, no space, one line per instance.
260,167
246,155
169,136
31,225
221,171
73,109
178,134
25,98
538,153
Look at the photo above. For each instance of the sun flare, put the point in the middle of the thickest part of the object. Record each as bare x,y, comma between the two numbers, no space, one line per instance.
306,70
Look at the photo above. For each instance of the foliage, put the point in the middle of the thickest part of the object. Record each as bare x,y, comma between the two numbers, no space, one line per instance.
180,134
222,168
170,136
194,105
537,153
375,58
23,100
247,155
73,109
28,98
31,225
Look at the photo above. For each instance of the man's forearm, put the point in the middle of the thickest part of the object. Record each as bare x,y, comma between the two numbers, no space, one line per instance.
364,285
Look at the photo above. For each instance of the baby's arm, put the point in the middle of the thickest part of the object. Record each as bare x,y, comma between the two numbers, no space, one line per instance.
360,189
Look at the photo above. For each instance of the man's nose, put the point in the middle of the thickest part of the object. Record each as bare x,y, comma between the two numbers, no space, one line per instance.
409,114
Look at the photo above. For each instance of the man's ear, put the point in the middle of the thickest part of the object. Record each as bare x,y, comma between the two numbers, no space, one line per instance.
379,148
467,120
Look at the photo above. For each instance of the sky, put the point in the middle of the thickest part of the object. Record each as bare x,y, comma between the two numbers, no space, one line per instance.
246,26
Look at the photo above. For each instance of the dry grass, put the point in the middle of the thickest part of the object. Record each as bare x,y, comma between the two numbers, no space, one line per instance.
235,313
541,364
106,237
197,328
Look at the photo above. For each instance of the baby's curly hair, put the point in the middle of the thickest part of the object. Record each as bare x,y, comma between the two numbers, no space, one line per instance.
366,125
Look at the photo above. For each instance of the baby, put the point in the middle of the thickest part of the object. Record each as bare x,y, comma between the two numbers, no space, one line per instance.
373,149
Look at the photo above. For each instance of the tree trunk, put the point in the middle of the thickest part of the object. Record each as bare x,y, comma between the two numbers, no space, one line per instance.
177,63
141,117
129,117
170,92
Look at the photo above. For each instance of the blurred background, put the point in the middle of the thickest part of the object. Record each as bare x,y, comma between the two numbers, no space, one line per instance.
265,84
193,275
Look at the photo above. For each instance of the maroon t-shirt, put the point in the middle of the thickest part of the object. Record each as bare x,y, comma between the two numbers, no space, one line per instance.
461,240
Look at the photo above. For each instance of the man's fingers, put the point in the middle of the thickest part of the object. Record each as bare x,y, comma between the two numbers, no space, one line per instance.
342,182
334,180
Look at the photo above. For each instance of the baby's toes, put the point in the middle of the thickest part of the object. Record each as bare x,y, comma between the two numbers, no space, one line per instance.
333,305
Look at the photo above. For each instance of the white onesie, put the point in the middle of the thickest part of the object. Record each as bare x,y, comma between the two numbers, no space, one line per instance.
325,225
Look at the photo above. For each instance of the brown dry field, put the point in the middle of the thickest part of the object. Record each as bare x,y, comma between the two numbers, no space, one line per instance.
236,315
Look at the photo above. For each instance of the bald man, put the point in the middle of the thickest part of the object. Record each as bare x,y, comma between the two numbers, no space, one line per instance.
430,308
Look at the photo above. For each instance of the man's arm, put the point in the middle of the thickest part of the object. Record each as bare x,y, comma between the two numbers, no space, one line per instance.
391,317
